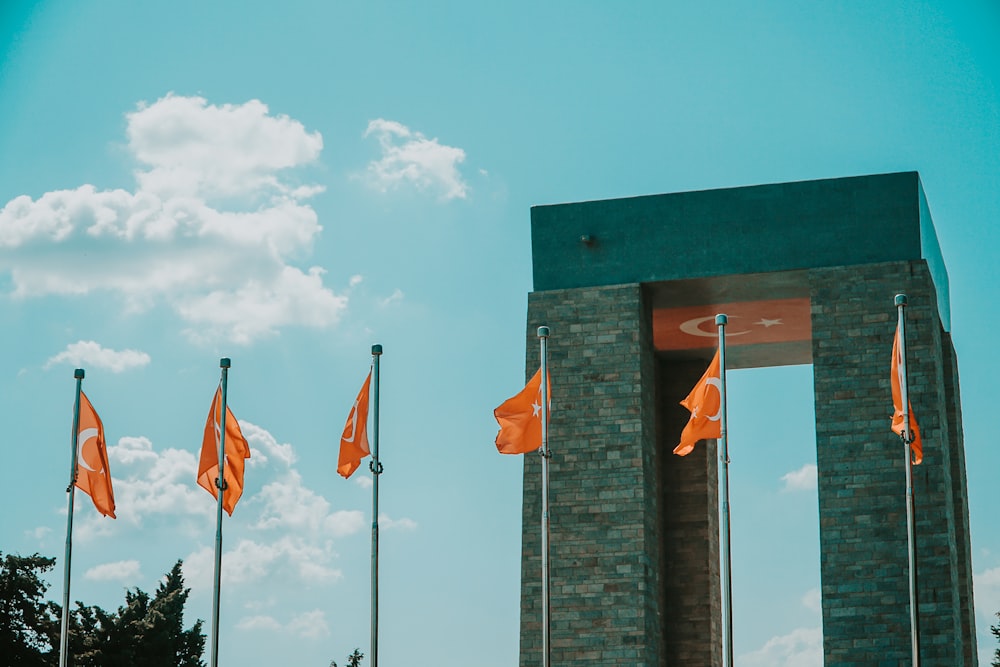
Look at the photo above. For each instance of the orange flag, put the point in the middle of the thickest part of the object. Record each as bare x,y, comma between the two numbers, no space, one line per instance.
93,476
520,418
705,404
354,440
237,450
897,403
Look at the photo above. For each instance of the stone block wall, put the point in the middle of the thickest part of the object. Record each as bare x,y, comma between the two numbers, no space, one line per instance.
603,496
861,471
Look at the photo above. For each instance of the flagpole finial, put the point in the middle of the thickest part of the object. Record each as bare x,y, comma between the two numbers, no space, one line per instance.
224,362
543,332
376,350
721,320
900,300
78,374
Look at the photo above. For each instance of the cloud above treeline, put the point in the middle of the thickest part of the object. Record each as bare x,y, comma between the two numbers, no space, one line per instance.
284,526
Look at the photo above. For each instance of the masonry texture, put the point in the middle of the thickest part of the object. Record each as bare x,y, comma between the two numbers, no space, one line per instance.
634,530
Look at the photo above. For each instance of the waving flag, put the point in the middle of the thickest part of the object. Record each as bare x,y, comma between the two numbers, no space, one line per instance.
354,439
705,404
236,451
897,380
520,418
93,476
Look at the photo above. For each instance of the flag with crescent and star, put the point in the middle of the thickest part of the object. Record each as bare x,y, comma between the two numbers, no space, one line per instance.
93,476
236,452
916,446
354,440
520,418
705,404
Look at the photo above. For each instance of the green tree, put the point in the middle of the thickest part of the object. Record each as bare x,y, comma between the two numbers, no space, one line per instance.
353,660
995,629
27,621
146,631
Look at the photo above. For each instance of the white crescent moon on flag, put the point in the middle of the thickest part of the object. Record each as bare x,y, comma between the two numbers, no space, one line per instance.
692,327
354,423
717,383
85,435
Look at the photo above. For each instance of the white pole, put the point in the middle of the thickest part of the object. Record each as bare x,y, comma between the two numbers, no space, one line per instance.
543,336
911,540
71,493
376,468
220,484
727,591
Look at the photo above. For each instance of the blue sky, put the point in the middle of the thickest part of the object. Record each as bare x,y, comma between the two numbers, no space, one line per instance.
287,184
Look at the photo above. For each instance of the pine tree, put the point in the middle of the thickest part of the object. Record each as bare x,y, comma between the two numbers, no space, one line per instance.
353,660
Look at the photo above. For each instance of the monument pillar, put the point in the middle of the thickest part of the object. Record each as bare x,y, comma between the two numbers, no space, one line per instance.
625,286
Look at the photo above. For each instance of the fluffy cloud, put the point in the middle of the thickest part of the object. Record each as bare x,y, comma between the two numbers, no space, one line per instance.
211,230
802,647
193,148
307,625
803,479
813,600
124,571
285,525
410,157
92,355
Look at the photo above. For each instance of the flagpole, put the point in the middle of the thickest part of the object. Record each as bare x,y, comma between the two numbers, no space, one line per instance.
376,468
220,484
70,492
543,336
727,561
907,437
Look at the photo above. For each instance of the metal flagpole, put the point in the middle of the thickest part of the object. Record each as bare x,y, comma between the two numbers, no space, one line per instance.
70,492
727,561
911,540
376,468
543,336
220,484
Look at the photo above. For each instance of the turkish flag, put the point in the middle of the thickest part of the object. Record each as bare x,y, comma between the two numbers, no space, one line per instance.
705,404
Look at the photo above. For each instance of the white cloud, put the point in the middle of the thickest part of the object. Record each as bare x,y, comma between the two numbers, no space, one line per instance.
259,308
803,479
307,625
259,438
124,571
307,557
384,521
410,157
364,482
87,353
813,600
284,532
192,147
802,647
395,297
211,230
987,596
39,533
345,522
310,625
259,622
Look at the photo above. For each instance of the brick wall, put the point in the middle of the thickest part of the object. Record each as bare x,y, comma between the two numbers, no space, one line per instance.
604,553
861,470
